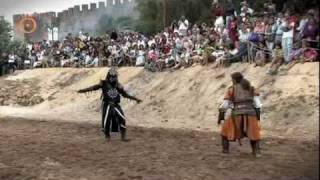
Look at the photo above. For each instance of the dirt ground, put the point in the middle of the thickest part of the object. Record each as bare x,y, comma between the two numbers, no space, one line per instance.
174,131
52,150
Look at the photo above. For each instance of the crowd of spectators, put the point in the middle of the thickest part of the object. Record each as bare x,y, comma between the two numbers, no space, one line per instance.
244,36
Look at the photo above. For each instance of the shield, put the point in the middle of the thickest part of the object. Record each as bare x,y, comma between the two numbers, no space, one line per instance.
28,25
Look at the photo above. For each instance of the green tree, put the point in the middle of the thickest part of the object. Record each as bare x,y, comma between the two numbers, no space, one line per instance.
151,16
106,23
125,22
8,45
5,36
152,13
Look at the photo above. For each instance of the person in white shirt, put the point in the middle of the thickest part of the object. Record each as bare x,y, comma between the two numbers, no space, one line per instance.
287,37
183,26
141,56
246,10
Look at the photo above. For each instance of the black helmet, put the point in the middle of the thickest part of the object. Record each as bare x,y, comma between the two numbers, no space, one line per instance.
112,76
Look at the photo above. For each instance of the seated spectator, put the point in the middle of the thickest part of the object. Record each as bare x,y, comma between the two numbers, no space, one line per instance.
244,34
277,60
197,54
188,46
141,56
219,56
132,55
209,48
260,59
168,56
152,54
230,56
305,54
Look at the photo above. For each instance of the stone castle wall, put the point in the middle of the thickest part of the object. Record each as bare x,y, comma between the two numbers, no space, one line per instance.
83,18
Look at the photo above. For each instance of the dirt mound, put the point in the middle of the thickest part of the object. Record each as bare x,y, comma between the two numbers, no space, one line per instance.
183,99
68,151
23,93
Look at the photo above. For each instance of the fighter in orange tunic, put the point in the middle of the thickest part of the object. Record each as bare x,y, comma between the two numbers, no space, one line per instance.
241,105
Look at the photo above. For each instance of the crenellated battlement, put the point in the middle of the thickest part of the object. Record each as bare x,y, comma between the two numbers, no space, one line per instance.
99,7
78,18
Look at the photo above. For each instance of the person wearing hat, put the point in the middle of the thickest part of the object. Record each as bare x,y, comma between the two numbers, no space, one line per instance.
241,107
113,119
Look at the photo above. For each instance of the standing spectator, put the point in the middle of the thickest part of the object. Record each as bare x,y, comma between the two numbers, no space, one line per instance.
287,36
279,24
217,13
12,62
245,10
270,32
269,8
114,35
174,27
310,29
229,11
302,24
232,29
217,9
183,26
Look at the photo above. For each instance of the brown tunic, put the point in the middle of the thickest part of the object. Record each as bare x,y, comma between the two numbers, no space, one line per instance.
239,126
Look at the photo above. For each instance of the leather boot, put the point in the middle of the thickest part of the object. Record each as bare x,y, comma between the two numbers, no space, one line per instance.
225,145
107,135
124,136
255,148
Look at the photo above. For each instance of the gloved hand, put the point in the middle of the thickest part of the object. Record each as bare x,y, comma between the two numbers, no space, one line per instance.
81,91
139,101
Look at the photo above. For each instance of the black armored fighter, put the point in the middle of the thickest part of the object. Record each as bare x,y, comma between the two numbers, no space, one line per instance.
113,119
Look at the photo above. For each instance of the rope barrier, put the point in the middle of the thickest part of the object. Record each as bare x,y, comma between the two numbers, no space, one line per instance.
268,51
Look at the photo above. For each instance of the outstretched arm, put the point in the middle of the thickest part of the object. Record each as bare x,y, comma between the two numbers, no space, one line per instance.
126,95
91,88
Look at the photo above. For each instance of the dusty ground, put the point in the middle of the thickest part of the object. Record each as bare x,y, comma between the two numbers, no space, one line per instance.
183,99
43,150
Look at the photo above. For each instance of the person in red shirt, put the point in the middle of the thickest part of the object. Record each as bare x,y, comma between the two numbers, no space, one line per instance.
217,10
233,32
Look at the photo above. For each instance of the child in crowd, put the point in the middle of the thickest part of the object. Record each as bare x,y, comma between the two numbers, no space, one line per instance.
277,60
261,57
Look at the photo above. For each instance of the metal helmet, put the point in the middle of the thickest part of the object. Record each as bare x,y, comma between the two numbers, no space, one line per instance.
112,76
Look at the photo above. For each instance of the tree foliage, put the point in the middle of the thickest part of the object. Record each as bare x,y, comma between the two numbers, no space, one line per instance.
107,23
5,36
6,43
151,19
